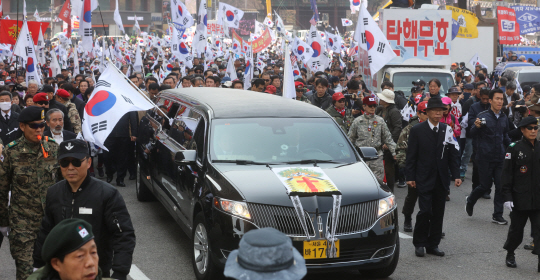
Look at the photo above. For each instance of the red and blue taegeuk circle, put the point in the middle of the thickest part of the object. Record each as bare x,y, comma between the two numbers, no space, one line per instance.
229,15
370,40
169,67
316,49
30,65
183,48
100,103
300,50
356,2
331,42
180,11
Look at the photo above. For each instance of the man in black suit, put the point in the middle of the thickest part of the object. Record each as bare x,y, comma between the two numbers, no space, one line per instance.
429,157
9,125
509,100
55,123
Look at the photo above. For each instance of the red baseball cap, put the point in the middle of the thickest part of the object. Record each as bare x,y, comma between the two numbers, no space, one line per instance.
42,96
298,85
62,93
338,96
369,100
270,89
421,106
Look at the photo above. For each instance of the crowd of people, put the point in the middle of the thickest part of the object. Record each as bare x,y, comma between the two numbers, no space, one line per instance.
491,122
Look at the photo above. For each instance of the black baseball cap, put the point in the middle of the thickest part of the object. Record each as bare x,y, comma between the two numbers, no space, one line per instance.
75,148
419,82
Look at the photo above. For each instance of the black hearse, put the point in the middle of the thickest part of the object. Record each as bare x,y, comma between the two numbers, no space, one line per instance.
209,155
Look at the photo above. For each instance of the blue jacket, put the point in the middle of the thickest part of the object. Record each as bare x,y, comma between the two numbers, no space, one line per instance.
476,108
491,141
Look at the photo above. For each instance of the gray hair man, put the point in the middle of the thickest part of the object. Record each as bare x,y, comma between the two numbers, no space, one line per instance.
55,124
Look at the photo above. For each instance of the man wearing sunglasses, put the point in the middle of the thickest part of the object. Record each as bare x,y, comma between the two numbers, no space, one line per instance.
28,169
520,188
300,89
100,204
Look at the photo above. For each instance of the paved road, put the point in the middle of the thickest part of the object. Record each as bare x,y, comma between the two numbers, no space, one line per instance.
473,246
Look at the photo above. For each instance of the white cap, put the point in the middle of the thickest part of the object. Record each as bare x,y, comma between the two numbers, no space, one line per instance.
466,74
387,96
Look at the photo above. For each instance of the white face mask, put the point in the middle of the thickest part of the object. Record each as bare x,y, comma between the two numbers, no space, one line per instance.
4,106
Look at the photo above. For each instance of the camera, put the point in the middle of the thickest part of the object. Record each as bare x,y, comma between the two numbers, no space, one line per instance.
483,122
347,95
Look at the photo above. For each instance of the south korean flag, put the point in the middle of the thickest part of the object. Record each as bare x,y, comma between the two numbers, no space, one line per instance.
180,15
302,50
229,15
319,59
333,42
346,22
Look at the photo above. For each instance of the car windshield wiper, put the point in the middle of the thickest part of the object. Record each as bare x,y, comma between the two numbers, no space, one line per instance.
314,161
241,162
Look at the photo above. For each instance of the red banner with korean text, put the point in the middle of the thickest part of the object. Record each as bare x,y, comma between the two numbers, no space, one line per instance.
262,42
508,26
418,37
9,32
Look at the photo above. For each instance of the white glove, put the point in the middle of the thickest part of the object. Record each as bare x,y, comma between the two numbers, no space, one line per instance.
4,231
509,205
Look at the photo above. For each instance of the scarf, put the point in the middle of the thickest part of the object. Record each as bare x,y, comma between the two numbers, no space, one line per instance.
342,111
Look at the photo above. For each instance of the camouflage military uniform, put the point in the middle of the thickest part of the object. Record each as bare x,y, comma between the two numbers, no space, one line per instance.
371,131
74,117
401,148
344,122
304,99
28,174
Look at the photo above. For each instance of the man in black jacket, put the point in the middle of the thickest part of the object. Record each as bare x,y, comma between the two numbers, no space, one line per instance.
429,158
521,190
55,124
9,125
321,96
98,203
119,144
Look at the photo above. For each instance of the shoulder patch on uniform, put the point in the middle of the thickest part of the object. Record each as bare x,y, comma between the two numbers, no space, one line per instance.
13,143
508,156
512,144
51,140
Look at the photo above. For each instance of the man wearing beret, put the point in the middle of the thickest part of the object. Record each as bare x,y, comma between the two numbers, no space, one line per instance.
62,96
97,202
521,189
29,167
70,252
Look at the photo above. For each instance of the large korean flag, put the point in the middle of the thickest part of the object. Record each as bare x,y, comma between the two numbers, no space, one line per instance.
180,15
229,15
302,50
86,25
319,57
24,47
112,98
371,38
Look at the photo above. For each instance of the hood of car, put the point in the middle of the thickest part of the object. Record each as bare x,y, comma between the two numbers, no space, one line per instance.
259,184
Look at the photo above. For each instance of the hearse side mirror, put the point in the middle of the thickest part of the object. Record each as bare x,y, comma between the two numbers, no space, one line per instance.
368,153
185,157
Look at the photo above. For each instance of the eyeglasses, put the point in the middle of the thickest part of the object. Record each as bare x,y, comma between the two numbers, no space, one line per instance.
76,162
42,102
37,125
372,106
532,127
267,80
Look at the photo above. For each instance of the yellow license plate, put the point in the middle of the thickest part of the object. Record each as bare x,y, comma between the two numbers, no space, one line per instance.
316,249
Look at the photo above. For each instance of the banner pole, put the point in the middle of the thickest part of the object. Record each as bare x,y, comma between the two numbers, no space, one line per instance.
138,90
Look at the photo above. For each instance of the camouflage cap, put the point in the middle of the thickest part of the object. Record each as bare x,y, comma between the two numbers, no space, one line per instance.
66,237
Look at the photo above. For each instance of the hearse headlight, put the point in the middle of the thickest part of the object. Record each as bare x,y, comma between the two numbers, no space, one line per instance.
233,207
386,205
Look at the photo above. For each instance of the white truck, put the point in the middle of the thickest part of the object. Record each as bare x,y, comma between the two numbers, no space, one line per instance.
422,41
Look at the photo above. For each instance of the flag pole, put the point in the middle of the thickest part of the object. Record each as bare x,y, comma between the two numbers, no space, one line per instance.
138,90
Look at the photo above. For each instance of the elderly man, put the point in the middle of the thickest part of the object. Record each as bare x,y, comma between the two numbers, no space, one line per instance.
55,123
32,87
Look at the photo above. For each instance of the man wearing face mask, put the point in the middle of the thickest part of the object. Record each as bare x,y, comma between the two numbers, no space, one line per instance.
9,126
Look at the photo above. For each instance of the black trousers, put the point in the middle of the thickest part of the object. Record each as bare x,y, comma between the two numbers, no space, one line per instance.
490,174
518,220
429,220
410,201
132,164
390,170
116,159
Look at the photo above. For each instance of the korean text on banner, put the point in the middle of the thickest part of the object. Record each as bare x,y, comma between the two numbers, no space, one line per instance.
467,21
528,19
262,42
418,37
508,27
